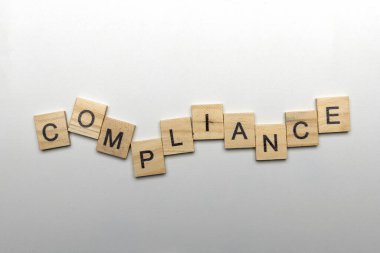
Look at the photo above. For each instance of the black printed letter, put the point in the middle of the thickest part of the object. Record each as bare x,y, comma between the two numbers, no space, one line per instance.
328,115
274,146
172,139
118,139
207,123
295,130
236,131
80,118
143,160
44,132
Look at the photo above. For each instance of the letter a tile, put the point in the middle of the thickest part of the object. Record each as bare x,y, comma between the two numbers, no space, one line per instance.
239,130
87,118
115,137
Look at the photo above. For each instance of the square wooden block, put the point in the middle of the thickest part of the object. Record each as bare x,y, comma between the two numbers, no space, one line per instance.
115,137
148,158
51,130
207,122
271,142
333,114
87,118
239,130
302,128
177,136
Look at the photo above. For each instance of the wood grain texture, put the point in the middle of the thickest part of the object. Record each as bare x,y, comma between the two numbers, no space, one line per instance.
87,118
339,110
239,130
177,136
211,129
51,130
156,165
271,132
302,128
115,137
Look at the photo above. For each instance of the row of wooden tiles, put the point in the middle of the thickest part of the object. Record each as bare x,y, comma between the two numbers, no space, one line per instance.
207,122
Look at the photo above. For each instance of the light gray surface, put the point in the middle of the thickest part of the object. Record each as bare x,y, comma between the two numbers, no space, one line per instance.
150,60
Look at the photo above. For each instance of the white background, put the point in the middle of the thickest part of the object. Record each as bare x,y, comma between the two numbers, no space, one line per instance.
150,60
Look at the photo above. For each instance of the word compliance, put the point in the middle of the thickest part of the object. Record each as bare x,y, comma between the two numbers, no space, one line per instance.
207,122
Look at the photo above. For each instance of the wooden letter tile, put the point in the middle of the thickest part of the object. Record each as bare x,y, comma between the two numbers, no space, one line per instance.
148,158
51,130
333,114
271,142
115,137
207,122
177,136
239,130
87,118
302,128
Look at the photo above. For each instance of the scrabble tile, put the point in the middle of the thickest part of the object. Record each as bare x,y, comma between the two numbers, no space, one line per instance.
333,114
148,158
239,130
271,142
51,130
207,122
87,118
302,128
115,137
177,136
